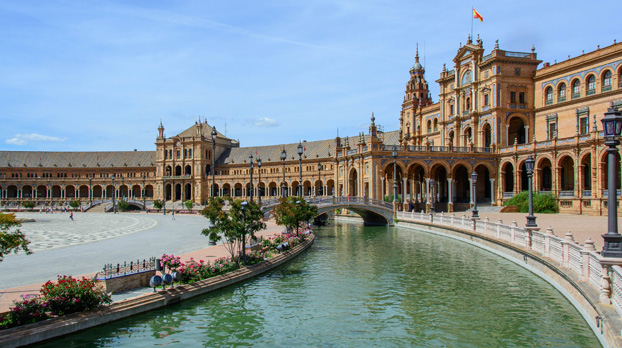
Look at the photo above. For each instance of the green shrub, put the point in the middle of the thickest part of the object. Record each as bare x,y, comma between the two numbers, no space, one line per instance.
29,310
189,203
123,205
74,204
390,198
29,205
158,204
69,295
542,203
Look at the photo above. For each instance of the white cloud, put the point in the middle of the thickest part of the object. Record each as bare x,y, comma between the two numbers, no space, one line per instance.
22,139
265,122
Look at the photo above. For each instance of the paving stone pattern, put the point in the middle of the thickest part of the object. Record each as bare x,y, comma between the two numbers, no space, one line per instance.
56,230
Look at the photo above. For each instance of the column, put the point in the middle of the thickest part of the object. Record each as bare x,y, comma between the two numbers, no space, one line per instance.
507,135
450,189
427,190
527,135
383,188
404,189
492,191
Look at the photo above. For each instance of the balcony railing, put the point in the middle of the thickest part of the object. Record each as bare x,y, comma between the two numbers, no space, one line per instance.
508,194
586,193
605,193
567,193
517,54
606,88
590,92
172,177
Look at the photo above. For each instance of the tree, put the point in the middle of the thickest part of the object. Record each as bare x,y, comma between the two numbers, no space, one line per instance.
123,205
234,225
29,205
292,211
74,204
11,241
188,204
158,204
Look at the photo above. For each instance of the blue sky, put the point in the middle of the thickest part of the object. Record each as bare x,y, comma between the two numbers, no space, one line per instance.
100,75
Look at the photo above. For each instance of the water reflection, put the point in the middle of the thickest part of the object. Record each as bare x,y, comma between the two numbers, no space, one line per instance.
366,286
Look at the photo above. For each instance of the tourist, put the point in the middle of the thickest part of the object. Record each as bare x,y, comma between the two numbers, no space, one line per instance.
71,216
173,215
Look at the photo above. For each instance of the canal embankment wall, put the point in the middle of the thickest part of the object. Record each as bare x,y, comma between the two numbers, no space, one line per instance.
578,273
65,325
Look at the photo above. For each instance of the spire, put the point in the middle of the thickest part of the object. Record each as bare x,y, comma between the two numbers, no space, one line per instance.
373,119
417,65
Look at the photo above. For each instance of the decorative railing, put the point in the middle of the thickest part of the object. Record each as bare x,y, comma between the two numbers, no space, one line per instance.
605,193
352,152
177,177
517,54
118,270
582,260
590,92
575,95
586,193
485,58
568,193
508,194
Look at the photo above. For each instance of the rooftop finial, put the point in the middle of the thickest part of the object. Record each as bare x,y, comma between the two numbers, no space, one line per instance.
417,53
497,44
533,48
373,118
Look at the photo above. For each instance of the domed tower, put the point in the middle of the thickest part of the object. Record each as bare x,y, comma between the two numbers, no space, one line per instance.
417,96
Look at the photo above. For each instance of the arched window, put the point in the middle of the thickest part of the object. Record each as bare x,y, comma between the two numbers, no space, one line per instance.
607,81
436,125
548,95
591,85
468,104
576,89
561,93
429,126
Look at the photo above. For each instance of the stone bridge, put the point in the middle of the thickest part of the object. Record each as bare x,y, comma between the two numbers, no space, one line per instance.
372,211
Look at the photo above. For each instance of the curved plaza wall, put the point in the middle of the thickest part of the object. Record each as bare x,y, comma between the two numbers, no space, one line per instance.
593,284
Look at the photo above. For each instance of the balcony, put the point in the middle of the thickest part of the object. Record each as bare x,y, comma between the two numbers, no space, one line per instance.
567,193
605,193
576,95
175,177
548,102
591,92
606,88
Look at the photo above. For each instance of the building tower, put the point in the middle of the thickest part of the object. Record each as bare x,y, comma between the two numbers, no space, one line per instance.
417,96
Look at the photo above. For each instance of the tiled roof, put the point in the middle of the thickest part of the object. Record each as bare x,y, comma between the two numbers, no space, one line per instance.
322,149
45,159
206,131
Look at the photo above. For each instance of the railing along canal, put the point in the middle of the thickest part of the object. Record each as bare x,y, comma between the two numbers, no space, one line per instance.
582,260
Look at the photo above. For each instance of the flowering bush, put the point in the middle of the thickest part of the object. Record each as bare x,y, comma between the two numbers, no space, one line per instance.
291,239
258,256
193,271
70,295
171,262
29,310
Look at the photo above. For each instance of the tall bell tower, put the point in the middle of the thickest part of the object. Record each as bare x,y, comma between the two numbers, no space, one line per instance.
416,97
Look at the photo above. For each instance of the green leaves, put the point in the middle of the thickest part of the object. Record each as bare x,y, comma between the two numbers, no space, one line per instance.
292,211
232,222
11,241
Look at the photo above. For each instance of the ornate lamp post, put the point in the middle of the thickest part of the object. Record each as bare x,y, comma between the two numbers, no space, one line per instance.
121,188
432,195
394,153
114,192
251,185
612,126
214,161
531,219
164,195
283,157
259,185
297,216
319,179
475,214
243,207
90,190
143,192
300,152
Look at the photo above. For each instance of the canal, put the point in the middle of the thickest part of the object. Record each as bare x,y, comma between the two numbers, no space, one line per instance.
365,286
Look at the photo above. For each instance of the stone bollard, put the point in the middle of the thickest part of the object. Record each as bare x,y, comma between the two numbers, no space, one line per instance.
499,224
513,228
568,239
588,247
547,241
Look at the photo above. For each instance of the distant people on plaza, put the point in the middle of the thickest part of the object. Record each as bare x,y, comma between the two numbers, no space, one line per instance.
71,216
173,215
411,206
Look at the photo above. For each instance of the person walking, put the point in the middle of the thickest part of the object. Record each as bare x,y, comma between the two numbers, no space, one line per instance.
173,215
71,216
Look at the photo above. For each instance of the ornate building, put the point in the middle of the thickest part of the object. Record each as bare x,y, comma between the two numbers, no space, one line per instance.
494,111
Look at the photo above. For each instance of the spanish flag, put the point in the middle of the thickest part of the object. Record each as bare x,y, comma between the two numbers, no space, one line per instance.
477,15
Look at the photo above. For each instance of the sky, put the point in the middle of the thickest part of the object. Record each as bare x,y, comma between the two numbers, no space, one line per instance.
102,75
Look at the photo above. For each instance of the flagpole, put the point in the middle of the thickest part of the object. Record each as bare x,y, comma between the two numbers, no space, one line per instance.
472,21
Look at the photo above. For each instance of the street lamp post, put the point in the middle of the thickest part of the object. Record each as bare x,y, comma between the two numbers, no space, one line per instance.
90,191
121,188
475,213
164,195
259,185
319,179
143,193
300,187
251,186
297,216
612,126
214,134
114,192
432,195
283,157
531,219
243,207
394,153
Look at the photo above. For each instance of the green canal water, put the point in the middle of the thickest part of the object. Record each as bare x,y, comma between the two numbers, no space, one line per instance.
365,287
